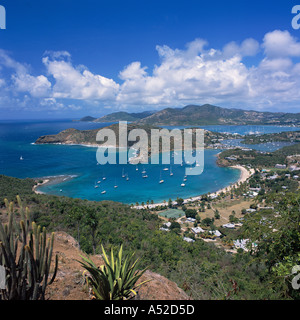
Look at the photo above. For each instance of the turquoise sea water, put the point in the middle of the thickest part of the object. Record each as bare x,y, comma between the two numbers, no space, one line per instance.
16,140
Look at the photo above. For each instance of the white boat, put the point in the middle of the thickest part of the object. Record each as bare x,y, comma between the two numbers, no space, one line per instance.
96,186
115,186
161,180
21,158
145,176
171,173
99,181
182,185
127,178
165,169
123,174
104,178
103,192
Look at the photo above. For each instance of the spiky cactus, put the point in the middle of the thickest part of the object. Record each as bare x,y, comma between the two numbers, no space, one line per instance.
26,256
116,279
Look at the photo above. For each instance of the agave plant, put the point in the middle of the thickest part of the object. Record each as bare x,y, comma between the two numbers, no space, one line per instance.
116,279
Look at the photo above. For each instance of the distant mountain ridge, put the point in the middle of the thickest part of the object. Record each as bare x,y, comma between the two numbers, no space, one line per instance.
206,114
121,116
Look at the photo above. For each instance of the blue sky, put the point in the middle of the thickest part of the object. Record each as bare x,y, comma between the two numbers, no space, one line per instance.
67,59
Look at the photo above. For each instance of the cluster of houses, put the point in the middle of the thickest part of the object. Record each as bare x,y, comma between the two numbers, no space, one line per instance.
282,166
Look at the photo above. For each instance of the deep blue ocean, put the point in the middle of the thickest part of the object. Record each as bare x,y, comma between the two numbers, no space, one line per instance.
17,140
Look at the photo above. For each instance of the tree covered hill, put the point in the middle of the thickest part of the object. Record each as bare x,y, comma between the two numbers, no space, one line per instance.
207,114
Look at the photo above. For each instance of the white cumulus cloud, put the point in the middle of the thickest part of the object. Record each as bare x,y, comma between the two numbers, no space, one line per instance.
196,74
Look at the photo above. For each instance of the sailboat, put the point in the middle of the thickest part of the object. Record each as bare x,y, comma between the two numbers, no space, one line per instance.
123,175
127,178
171,173
115,186
161,180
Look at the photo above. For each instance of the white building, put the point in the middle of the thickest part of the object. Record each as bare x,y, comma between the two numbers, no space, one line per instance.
217,233
229,226
241,243
188,239
197,230
190,219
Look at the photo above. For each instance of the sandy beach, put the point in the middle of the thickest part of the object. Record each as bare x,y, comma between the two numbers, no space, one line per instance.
245,175
34,189
50,180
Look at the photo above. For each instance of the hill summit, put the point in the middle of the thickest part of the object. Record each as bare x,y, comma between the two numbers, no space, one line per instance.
206,114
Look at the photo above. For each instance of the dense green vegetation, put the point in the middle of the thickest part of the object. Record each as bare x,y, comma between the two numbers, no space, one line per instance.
201,115
212,115
10,187
258,159
289,136
276,234
200,268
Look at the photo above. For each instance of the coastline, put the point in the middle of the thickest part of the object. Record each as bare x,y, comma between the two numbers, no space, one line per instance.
244,176
49,181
